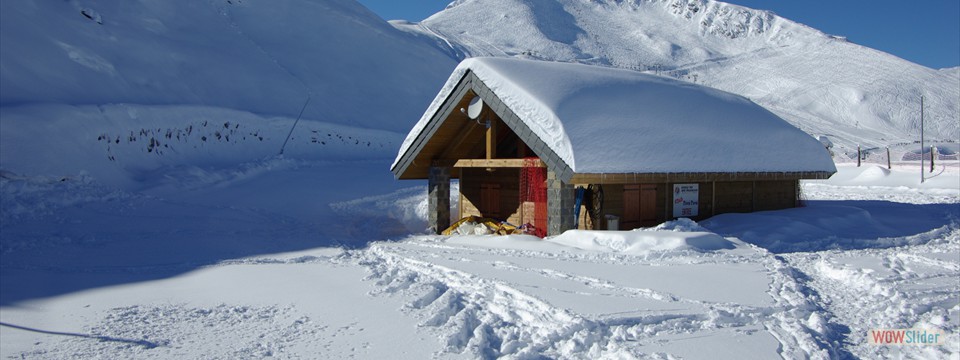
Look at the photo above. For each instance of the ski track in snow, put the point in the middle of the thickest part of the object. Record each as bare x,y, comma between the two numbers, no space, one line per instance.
492,318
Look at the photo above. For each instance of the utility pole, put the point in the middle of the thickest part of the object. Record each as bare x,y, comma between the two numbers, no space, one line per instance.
295,124
922,176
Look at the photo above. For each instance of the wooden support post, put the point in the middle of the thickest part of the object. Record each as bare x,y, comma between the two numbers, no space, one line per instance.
460,194
491,139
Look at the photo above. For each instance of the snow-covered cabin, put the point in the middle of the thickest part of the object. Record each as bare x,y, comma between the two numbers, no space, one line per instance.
648,148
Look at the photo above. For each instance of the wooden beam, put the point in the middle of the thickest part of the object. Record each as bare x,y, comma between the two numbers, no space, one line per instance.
632,178
494,163
492,138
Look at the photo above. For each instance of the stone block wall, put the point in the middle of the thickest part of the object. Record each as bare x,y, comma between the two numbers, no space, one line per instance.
438,198
561,198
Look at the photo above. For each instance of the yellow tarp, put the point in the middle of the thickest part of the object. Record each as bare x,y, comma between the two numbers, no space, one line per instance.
494,226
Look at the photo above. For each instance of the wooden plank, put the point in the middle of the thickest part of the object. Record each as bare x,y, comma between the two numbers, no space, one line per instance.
648,204
460,197
492,138
713,198
492,163
632,178
631,207
490,200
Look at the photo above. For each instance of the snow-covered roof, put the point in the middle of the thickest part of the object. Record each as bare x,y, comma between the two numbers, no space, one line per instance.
600,120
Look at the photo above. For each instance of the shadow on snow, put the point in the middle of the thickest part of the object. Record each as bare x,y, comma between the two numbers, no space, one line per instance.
150,235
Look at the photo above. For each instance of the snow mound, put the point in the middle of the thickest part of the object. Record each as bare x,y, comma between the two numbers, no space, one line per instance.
681,225
642,242
872,173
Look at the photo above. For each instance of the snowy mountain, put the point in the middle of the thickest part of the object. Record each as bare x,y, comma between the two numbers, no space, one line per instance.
263,57
823,84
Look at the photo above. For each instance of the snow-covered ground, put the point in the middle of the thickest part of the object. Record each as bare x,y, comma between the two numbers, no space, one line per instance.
208,263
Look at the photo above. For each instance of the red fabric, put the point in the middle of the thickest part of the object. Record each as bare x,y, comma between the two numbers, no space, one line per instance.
533,188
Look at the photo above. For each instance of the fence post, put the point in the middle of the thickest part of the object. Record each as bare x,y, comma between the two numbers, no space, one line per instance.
858,155
888,159
933,154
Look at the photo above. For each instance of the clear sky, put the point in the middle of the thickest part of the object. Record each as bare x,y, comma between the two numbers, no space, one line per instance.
926,32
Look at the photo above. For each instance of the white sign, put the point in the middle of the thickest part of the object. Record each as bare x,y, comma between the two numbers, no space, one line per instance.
686,200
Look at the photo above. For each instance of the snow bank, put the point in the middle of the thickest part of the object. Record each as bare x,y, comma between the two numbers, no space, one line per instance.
660,124
858,208
642,242
840,225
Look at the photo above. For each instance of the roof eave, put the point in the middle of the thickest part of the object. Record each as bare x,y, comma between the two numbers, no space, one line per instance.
635,178
470,82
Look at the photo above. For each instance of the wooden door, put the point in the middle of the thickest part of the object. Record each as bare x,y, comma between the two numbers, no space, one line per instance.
639,206
490,200
648,204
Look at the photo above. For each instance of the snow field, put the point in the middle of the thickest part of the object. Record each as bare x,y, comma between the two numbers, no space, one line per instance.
124,142
224,311
172,268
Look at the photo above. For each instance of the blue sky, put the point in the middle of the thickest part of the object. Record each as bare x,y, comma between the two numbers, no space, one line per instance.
926,32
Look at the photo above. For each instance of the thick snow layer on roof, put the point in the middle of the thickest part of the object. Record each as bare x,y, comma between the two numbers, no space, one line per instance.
605,120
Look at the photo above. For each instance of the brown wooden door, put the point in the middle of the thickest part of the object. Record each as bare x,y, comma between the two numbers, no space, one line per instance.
490,200
639,206
648,204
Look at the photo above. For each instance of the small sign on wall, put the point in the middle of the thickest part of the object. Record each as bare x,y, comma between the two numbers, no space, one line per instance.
686,200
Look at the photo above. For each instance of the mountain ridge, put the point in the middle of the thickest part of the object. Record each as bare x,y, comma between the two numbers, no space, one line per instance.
823,84
262,57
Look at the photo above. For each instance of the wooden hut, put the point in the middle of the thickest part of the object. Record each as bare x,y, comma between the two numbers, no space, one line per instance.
646,149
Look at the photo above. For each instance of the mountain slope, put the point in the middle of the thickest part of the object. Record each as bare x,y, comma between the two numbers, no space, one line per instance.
820,83
263,57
